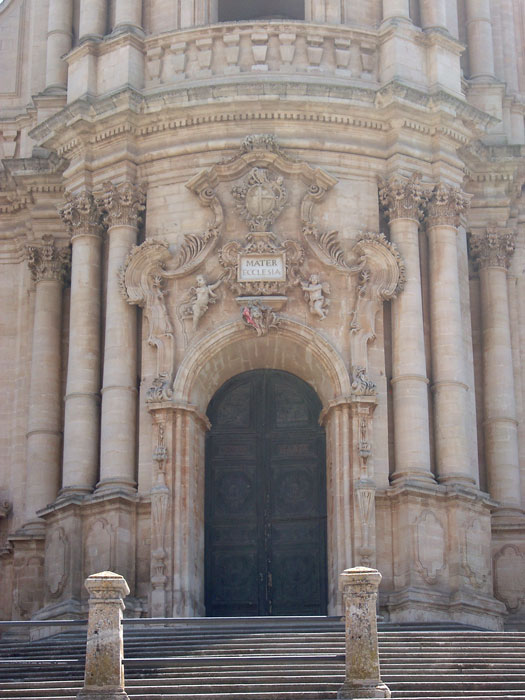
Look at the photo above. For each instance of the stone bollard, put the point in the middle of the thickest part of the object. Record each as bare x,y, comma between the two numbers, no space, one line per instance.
362,677
104,677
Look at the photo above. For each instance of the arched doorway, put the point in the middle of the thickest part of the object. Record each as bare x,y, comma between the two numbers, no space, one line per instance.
265,500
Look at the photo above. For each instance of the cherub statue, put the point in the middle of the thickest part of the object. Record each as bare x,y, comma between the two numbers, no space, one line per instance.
201,296
314,293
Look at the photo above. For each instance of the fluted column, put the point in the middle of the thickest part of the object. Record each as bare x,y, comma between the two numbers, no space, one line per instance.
492,251
396,8
92,20
122,206
59,41
479,39
49,267
128,14
448,362
433,13
403,201
81,419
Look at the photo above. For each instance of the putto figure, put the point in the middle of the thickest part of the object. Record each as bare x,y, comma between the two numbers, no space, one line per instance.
314,293
201,296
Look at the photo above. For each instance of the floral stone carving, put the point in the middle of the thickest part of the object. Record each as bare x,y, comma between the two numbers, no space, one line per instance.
259,317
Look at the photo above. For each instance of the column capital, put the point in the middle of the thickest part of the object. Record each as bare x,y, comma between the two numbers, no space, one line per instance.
492,248
446,204
122,204
47,262
81,215
403,198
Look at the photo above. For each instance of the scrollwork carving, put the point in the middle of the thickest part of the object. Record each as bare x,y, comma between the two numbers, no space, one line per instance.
47,262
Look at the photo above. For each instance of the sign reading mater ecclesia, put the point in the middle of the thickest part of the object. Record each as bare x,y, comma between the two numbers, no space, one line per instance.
255,268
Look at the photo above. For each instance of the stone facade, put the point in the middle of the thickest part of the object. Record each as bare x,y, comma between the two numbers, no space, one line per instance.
339,195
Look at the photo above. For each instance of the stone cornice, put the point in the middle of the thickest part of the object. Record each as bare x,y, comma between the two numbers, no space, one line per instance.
47,262
81,215
403,198
122,204
492,248
446,205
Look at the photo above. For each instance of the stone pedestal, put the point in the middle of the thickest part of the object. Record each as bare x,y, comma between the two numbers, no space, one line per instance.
362,677
104,677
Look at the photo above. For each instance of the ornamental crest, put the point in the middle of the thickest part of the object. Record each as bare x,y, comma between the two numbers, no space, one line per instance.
260,199
262,266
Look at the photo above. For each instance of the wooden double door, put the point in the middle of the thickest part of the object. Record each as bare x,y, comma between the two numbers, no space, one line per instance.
265,501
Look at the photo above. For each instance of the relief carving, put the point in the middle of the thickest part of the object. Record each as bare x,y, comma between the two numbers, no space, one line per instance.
160,497
493,248
199,299
260,199
314,293
509,574
47,262
98,548
365,492
446,204
81,215
403,198
476,558
122,204
430,546
259,317
56,562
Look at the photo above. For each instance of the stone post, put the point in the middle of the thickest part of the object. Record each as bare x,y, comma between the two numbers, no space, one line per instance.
492,251
122,206
49,268
362,676
104,676
451,406
81,419
59,41
403,202
479,39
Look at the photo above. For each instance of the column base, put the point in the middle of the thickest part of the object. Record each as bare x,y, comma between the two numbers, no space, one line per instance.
413,477
362,689
32,528
115,485
79,490
457,480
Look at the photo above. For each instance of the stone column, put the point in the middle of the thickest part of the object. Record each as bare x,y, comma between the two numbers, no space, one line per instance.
59,42
479,39
403,202
362,676
128,15
448,362
433,14
122,206
49,268
92,20
492,251
396,8
104,676
81,419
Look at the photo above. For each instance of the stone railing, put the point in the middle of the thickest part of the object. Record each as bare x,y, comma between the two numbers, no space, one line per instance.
258,48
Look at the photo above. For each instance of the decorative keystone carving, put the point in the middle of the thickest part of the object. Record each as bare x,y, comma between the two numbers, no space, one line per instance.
403,198
446,204
259,317
47,262
81,215
260,199
123,204
493,248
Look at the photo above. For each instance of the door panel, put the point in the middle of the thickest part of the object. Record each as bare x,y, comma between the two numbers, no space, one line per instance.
265,498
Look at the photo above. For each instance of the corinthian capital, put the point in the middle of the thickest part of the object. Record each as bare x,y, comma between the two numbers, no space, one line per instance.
81,215
446,204
122,204
492,248
47,262
403,198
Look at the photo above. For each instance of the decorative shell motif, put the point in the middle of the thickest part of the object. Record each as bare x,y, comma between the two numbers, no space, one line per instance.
260,199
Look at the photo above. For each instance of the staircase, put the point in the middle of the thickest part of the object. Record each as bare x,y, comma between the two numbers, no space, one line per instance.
271,659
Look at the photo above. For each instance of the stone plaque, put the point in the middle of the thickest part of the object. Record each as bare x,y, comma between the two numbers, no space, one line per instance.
261,268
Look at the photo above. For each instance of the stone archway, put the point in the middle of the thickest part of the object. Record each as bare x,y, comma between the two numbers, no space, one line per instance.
231,349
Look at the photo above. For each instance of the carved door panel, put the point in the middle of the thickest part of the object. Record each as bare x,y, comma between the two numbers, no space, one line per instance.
265,498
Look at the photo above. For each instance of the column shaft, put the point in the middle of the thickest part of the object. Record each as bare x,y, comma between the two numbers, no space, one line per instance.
403,200
433,13
479,39
81,420
128,13
492,251
93,19
448,362
48,266
122,206
59,41
396,8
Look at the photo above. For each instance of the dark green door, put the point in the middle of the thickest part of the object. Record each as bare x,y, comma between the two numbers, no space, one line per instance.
265,504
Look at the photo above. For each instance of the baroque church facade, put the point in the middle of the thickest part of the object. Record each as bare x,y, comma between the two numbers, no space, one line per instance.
263,305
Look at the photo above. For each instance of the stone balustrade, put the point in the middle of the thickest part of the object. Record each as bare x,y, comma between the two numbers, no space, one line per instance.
290,48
